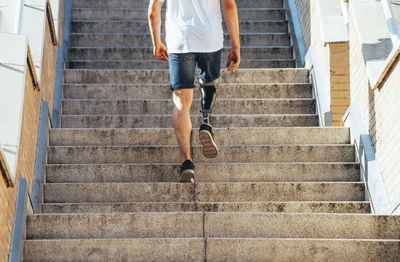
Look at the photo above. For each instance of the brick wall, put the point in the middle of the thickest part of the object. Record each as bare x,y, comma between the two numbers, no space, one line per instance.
28,136
29,131
48,69
7,206
339,81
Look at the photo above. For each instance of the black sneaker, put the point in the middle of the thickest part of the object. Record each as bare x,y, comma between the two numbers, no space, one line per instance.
187,172
206,136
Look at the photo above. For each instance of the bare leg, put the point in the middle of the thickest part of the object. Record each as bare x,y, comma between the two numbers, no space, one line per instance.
182,123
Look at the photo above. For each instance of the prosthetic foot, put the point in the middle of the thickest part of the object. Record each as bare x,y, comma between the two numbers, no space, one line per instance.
208,96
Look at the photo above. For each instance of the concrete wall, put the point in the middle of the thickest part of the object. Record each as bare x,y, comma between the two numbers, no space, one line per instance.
28,134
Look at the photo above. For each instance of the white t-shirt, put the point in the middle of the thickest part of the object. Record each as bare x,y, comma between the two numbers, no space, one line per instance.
193,26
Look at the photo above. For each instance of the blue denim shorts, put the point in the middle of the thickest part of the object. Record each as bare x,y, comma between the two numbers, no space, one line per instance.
182,68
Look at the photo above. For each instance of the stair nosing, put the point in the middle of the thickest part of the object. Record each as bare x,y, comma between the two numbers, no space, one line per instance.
202,202
215,238
203,163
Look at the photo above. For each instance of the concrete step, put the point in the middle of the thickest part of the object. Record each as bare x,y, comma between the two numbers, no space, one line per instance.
141,14
212,249
138,225
146,53
300,206
144,39
164,106
162,91
212,224
139,249
224,136
301,225
164,121
104,76
227,153
145,3
233,249
223,172
203,192
154,64
99,26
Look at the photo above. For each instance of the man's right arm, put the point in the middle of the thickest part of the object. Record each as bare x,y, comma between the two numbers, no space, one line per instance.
154,17
232,23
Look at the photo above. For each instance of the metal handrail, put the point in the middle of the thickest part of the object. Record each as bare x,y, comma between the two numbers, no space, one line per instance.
316,97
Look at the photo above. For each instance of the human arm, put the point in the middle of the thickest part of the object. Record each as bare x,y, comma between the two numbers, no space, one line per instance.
154,17
232,23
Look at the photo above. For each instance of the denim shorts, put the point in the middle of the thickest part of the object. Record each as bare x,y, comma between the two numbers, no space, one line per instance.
182,68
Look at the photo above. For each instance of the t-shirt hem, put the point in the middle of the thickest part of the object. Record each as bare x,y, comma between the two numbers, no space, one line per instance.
183,51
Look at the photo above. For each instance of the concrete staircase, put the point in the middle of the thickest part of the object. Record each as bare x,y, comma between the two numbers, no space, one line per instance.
282,189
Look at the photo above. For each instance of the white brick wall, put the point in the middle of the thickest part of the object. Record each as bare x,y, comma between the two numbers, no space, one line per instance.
303,8
381,113
387,126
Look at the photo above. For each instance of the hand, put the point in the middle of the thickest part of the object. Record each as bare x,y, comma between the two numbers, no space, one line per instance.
234,57
160,52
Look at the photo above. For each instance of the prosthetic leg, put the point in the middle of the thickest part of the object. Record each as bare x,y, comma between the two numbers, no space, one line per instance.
208,96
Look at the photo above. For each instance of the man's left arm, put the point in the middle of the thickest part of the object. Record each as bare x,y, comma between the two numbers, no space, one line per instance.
232,23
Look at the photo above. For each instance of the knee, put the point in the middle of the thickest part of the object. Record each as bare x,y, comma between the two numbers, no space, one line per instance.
182,99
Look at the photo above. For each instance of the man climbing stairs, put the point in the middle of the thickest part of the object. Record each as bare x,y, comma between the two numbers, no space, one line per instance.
281,189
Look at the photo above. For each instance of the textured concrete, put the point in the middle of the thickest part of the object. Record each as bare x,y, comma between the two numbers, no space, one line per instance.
257,26
145,3
203,192
218,249
144,64
216,224
144,39
164,121
299,225
141,14
224,136
162,91
227,153
102,76
146,53
138,249
164,106
138,225
217,172
298,206
338,250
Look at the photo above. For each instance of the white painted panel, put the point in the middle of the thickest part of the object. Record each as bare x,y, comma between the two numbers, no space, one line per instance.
12,83
33,25
7,13
330,7
374,35
334,29
55,7
3,22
